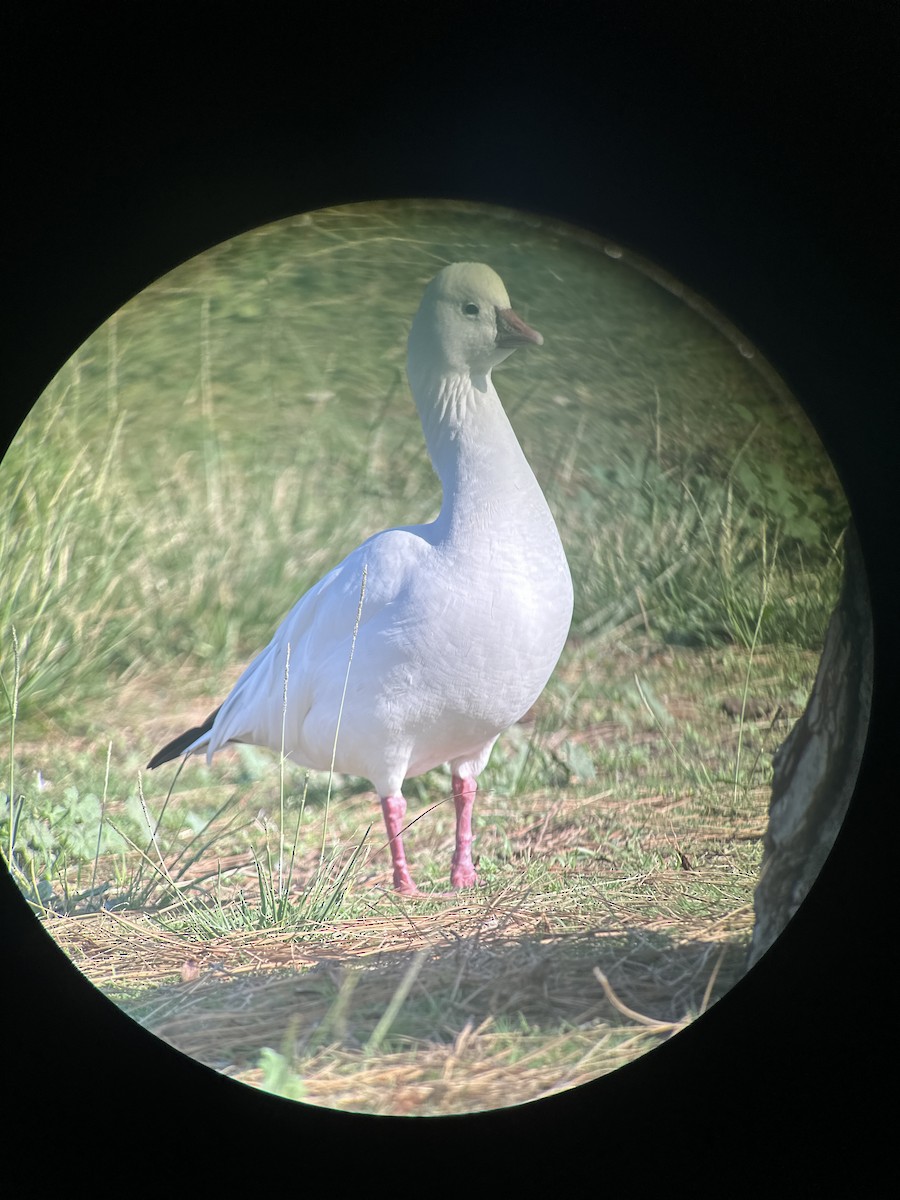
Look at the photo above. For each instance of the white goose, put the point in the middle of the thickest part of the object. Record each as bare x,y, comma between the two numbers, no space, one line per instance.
462,620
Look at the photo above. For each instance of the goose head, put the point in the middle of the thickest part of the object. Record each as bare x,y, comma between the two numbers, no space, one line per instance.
465,326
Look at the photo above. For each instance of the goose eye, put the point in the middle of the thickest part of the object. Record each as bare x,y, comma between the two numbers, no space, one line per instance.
470,309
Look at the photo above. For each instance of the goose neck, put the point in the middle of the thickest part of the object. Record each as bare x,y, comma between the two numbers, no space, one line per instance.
472,445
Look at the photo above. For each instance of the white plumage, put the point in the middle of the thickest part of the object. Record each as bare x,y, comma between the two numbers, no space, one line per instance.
462,620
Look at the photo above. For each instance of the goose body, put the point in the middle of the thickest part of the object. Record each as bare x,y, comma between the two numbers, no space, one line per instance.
461,621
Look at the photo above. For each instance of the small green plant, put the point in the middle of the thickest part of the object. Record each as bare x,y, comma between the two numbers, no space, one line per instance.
278,1076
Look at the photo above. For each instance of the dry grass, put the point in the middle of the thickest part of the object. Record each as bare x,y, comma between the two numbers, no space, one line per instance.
613,914
507,999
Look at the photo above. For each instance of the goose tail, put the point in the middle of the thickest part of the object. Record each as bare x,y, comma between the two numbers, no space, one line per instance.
183,742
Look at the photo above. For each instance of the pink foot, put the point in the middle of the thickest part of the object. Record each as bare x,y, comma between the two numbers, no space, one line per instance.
463,877
394,810
462,871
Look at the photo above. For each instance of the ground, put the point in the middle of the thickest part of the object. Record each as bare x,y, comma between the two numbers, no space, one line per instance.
616,904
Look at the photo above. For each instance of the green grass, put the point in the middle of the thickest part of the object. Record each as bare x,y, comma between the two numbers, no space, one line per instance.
245,422
216,447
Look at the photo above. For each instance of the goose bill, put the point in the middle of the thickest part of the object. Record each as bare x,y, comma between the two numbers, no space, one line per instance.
512,330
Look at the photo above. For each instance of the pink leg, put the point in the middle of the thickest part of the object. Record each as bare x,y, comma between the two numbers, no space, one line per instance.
462,873
394,810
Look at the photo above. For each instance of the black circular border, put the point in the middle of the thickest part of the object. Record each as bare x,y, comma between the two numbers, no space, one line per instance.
746,148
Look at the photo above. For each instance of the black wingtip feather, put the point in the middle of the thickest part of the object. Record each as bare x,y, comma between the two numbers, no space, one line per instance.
177,746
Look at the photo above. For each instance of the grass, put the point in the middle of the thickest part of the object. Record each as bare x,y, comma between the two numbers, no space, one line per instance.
203,459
